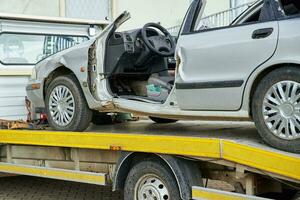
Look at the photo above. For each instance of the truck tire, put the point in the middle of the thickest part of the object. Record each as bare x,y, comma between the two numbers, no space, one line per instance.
162,120
66,107
151,178
296,196
276,110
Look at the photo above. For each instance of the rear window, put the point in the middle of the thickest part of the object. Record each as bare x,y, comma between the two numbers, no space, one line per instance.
291,7
30,48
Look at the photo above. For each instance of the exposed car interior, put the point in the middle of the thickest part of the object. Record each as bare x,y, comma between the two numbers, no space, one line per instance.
291,7
140,63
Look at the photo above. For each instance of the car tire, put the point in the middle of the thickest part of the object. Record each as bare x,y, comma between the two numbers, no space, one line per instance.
162,120
151,177
271,115
73,103
101,119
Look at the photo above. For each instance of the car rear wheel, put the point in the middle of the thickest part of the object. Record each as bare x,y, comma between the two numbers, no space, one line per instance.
162,120
66,106
276,108
151,179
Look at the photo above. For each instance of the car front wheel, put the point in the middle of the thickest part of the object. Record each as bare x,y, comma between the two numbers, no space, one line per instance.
66,106
276,109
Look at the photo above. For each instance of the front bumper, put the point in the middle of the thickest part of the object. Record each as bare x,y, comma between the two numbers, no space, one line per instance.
35,94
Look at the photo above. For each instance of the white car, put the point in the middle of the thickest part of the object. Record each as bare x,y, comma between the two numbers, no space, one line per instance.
248,70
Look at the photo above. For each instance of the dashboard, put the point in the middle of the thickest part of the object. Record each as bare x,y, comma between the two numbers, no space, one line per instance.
126,49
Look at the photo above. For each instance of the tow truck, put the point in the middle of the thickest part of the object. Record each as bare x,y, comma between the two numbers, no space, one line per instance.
185,160
196,160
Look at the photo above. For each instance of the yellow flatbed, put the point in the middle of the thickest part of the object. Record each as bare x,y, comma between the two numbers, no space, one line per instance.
234,144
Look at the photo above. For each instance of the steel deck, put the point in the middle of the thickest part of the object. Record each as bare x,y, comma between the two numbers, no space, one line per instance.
234,142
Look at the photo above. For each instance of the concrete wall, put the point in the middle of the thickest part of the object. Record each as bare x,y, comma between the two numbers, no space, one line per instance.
34,7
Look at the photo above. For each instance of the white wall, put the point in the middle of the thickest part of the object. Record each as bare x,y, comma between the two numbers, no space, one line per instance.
32,7
87,9
215,6
94,9
12,97
168,12
240,2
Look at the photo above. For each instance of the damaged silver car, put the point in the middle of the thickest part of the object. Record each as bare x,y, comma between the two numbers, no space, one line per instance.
246,71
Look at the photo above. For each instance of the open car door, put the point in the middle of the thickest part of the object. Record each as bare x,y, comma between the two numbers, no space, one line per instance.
216,62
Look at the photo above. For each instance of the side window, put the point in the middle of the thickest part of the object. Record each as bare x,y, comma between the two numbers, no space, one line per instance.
254,17
215,17
291,7
30,49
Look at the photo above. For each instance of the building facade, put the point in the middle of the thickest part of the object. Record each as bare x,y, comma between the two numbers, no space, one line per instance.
168,12
94,9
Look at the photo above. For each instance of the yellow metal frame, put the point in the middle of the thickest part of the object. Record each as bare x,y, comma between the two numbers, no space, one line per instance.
282,164
211,194
68,175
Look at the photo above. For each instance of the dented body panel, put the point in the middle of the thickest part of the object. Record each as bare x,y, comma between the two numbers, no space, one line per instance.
214,104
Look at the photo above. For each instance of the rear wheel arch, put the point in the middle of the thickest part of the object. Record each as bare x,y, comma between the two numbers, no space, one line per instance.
261,75
186,172
275,110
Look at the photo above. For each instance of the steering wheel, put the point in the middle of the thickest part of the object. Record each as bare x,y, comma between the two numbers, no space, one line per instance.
159,44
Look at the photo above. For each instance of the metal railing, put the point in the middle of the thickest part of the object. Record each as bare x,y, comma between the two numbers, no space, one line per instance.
223,18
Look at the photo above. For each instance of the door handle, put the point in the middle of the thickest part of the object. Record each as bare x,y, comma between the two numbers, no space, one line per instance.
262,33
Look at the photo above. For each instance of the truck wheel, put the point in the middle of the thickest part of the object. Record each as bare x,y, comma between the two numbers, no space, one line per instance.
296,196
276,109
66,106
162,120
151,179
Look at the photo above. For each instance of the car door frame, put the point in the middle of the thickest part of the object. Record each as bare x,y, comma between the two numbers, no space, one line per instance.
189,25
196,7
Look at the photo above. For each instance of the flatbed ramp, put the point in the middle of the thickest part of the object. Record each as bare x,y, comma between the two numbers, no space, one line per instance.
238,145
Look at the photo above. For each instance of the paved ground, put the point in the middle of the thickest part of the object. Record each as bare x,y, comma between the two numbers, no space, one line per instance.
31,188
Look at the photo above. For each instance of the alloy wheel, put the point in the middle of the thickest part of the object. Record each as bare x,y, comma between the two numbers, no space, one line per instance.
281,110
62,105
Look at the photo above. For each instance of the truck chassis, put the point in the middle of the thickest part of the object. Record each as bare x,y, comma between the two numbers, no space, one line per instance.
193,154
